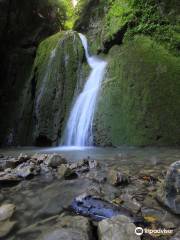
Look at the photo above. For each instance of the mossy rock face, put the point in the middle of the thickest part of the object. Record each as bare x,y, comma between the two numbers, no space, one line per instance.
50,90
139,102
23,25
107,22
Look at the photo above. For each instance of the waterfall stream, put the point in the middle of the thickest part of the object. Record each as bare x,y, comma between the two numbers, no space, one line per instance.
78,131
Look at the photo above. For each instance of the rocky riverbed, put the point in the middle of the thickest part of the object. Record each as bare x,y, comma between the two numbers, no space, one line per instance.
89,194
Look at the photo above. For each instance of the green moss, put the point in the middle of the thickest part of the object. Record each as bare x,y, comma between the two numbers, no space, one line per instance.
45,49
140,98
153,19
120,13
158,19
56,70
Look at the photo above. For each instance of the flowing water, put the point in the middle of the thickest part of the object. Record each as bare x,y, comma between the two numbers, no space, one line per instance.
78,131
45,197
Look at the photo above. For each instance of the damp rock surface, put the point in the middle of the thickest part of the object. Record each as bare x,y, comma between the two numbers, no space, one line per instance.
49,206
117,228
169,190
97,208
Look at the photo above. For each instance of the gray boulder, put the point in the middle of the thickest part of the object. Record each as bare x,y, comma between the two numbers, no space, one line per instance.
117,228
169,191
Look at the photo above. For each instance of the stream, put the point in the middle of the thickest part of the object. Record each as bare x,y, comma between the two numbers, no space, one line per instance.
45,196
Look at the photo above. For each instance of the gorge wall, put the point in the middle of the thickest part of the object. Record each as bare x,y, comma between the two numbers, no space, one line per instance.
140,97
23,25
139,102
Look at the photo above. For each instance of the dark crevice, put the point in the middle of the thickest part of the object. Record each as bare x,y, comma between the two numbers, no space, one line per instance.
33,84
117,39
94,231
158,137
43,141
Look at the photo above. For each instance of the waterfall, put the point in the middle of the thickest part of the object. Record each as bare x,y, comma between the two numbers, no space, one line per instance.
78,131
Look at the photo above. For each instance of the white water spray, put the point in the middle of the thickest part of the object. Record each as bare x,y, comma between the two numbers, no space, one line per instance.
74,2
78,131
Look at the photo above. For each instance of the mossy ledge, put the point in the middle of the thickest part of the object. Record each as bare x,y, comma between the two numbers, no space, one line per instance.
139,103
50,89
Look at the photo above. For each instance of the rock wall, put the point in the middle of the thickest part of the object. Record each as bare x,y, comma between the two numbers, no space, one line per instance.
23,25
50,90
140,96
139,102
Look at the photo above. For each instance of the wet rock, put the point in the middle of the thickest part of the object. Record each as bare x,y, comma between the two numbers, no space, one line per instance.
97,176
176,235
169,191
45,169
80,166
93,164
60,227
11,162
64,234
6,211
116,177
117,228
78,222
155,214
6,227
65,171
55,160
168,225
73,170
68,227
152,214
8,163
39,158
27,169
96,208
8,178
23,158
127,201
84,165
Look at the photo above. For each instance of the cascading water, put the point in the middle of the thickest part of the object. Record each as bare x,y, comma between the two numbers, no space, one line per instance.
78,131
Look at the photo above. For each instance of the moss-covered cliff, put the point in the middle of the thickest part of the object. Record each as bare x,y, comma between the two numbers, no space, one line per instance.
139,102
23,25
140,97
49,91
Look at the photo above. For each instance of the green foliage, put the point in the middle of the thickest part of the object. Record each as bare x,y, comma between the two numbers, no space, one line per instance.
120,12
150,19
44,50
70,14
158,19
62,9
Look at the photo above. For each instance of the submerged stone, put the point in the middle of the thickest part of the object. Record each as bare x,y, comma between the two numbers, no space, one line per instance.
59,227
6,211
117,177
6,227
96,208
66,172
55,160
64,234
26,170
